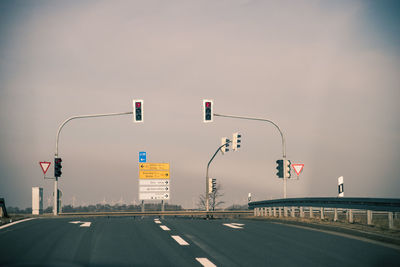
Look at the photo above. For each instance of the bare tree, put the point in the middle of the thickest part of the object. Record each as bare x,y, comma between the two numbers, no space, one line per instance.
214,197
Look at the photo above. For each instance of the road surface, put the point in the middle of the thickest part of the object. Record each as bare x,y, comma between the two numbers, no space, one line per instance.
128,241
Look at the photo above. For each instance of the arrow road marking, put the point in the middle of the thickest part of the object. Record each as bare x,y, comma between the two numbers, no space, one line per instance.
83,224
206,262
180,240
86,224
234,225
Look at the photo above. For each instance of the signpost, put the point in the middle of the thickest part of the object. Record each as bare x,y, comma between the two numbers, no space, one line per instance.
340,187
142,156
298,168
154,166
154,188
154,195
45,166
154,174
154,183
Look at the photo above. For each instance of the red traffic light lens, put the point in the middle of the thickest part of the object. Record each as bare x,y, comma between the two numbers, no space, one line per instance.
208,104
138,104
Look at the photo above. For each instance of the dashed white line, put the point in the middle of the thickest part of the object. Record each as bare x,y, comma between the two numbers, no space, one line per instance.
157,221
206,262
180,240
231,225
164,227
9,224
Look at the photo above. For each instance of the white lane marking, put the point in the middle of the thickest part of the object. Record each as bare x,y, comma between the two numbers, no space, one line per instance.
85,224
364,239
206,262
9,224
232,226
164,227
180,240
157,222
237,224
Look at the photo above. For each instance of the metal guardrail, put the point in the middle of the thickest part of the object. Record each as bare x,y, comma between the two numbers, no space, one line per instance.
3,210
300,206
240,213
376,204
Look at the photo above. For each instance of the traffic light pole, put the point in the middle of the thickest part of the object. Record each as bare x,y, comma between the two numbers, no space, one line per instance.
55,207
208,166
277,127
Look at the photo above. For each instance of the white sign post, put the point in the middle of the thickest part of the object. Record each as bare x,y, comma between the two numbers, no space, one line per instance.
340,187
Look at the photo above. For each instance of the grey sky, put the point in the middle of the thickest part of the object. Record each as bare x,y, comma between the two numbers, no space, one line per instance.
327,72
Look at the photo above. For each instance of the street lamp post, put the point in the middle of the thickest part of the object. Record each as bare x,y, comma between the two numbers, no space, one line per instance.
277,127
208,166
55,207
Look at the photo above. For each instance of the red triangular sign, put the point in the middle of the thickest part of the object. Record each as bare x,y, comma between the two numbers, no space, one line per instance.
45,166
297,168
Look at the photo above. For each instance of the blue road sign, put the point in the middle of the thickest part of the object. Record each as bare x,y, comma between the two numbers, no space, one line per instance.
142,156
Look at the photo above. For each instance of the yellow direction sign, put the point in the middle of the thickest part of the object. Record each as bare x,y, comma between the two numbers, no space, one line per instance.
154,166
154,174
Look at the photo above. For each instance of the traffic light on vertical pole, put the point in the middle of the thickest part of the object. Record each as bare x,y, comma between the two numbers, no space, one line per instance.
57,167
137,110
214,185
225,143
236,141
210,186
287,168
208,114
279,168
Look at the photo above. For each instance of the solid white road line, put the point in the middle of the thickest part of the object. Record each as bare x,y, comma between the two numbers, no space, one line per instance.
206,262
237,224
9,224
85,224
232,226
164,227
180,240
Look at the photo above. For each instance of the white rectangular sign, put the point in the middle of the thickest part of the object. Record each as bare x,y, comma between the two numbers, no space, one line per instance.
153,195
154,188
154,182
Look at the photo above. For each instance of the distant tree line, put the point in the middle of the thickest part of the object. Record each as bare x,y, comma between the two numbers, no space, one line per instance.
100,208
111,208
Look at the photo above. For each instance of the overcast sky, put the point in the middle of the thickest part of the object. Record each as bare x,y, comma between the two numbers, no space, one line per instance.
327,72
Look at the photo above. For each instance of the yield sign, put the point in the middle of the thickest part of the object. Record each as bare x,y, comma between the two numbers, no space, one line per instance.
297,168
45,166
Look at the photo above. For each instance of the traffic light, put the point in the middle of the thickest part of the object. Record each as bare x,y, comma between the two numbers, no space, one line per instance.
208,110
287,168
57,167
225,142
214,185
137,110
210,185
279,168
236,141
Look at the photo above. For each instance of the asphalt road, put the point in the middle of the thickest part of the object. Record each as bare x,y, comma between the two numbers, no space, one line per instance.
126,241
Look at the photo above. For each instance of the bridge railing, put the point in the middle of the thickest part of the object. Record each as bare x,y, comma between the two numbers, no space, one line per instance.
348,206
